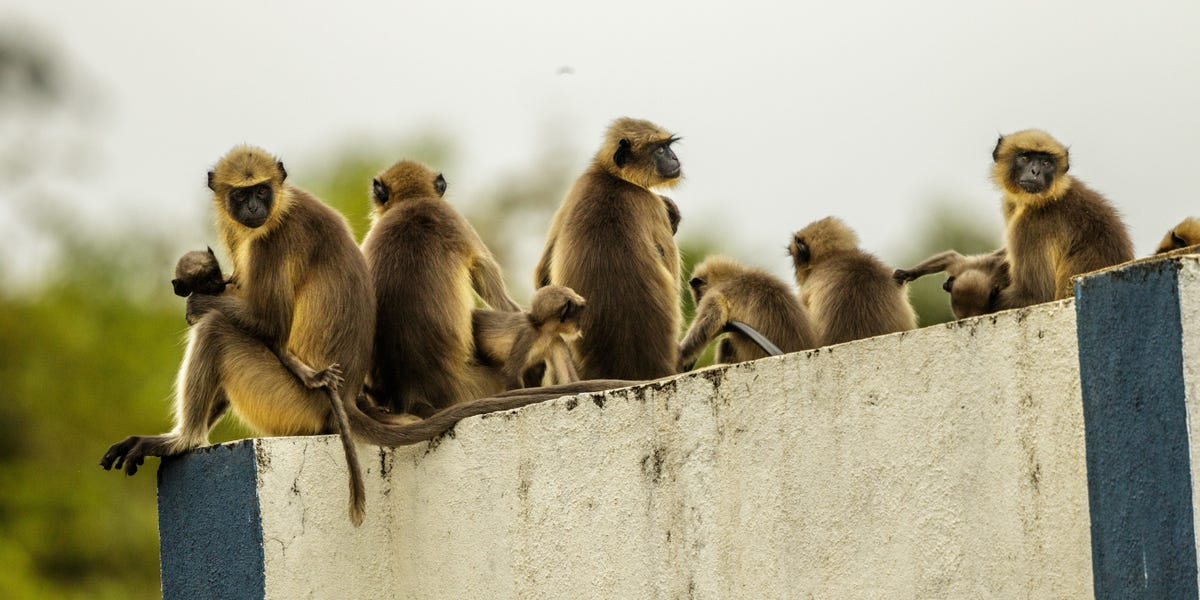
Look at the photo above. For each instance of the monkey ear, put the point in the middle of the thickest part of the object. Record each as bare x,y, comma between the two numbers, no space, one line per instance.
282,171
211,186
802,251
568,309
439,184
181,288
623,153
379,191
1001,276
996,150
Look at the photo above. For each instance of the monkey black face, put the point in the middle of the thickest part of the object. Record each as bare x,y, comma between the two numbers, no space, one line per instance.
799,250
666,164
994,298
697,284
1177,241
379,192
182,289
570,310
250,206
665,161
1033,172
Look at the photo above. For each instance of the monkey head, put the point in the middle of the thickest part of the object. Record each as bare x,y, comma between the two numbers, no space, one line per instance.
556,306
639,152
1184,235
198,272
247,184
817,241
975,291
713,271
403,180
1030,165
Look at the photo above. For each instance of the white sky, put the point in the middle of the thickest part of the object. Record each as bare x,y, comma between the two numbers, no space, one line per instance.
789,111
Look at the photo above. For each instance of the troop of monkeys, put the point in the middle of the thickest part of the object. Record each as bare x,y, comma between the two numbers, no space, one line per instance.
312,334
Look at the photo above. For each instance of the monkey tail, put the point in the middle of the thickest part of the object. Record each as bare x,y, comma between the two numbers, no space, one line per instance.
386,434
358,494
759,339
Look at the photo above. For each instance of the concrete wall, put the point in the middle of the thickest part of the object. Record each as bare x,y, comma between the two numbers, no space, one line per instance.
948,462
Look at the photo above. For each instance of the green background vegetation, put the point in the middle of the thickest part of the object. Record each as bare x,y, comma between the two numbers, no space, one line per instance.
88,353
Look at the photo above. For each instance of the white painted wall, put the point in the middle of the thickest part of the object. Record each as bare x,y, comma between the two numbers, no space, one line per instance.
942,463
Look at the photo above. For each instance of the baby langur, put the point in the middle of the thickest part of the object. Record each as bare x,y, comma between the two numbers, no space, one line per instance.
974,282
849,293
726,291
1185,235
199,272
515,342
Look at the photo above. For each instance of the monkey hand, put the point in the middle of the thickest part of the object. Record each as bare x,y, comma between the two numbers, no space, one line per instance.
684,366
901,276
131,452
330,377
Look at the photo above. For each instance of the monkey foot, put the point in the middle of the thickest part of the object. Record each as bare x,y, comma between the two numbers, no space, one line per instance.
131,452
330,377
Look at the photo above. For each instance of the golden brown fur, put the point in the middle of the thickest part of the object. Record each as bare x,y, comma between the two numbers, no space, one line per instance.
974,282
199,272
1185,235
426,264
302,290
612,242
303,285
514,342
849,293
1054,234
725,290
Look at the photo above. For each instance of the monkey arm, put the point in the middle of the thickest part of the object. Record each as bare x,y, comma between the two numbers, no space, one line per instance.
541,272
489,284
711,317
518,357
934,264
264,311
560,364
673,214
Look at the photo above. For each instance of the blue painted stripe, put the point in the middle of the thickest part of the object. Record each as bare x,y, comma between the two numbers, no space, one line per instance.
1135,420
210,525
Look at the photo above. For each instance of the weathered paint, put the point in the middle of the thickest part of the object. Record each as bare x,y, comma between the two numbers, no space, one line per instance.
209,525
1135,414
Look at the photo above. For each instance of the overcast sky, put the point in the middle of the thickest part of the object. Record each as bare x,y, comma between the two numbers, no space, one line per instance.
789,111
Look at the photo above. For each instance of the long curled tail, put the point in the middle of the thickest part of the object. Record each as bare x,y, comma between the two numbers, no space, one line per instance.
386,434
358,494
